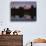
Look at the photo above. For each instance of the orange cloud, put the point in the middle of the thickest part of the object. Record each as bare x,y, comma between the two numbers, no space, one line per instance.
39,40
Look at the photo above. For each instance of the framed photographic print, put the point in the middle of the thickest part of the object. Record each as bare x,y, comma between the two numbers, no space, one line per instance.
23,11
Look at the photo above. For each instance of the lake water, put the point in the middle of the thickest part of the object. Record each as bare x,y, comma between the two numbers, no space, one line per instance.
24,18
39,44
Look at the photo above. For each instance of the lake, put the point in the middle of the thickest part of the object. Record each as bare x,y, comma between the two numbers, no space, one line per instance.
39,44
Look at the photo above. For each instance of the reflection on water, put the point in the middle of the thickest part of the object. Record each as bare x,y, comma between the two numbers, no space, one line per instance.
39,44
24,18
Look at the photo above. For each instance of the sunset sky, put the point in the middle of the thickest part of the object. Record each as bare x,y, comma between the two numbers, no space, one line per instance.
22,4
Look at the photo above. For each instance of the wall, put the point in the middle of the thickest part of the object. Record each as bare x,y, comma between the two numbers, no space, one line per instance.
11,40
30,30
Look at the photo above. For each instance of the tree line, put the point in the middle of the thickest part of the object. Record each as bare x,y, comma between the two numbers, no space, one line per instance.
21,11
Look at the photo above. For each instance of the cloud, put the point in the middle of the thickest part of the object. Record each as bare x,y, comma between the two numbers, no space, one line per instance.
39,40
